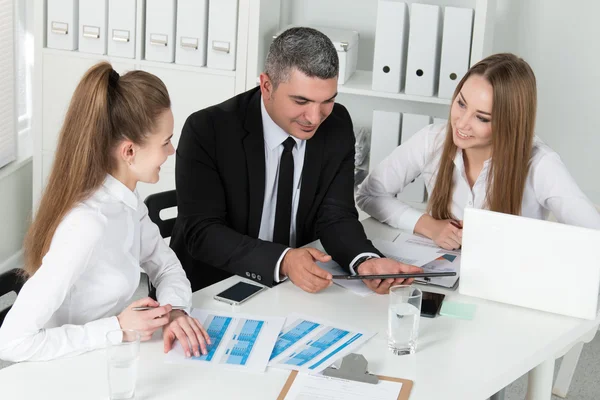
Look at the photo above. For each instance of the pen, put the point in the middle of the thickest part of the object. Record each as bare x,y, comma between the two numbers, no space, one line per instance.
456,224
150,308
388,276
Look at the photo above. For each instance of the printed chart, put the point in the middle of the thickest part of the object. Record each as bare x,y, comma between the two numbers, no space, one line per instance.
238,341
309,345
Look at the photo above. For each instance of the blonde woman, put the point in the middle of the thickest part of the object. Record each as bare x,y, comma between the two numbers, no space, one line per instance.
92,233
487,156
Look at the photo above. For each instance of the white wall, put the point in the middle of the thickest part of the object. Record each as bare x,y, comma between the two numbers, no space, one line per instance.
15,209
560,40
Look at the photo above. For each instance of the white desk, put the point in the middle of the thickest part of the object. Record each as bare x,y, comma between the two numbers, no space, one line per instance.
455,359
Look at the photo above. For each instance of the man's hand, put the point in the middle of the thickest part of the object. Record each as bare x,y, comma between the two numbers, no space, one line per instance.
299,265
379,266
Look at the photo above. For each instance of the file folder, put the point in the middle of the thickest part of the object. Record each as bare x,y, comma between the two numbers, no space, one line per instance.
456,48
411,124
93,22
422,64
121,28
391,40
192,32
222,34
160,30
62,26
385,136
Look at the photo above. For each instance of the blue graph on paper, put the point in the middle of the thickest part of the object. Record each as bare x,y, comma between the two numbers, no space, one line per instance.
315,347
217,326
243,340
292,336
333,353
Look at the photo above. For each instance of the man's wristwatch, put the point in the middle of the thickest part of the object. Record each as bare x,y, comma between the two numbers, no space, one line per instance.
360,261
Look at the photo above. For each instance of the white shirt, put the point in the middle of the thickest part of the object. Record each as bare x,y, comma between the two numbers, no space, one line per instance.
89,276
274,137
549,186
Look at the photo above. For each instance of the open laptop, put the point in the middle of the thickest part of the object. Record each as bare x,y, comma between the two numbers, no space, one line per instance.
530,263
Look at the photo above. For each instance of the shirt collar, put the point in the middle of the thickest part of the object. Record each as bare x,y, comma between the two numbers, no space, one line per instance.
273,134
121,192
459,162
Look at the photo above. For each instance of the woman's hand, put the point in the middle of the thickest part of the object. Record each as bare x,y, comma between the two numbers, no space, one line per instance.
445,233
145,322
190,333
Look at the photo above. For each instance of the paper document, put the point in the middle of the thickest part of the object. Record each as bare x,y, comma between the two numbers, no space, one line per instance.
238,341
308,344
427,255
320,387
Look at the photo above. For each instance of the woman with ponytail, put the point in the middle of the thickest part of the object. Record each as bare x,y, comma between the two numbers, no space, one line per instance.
486,156
91,233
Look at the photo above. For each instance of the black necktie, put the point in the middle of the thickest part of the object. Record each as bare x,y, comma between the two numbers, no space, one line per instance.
285,191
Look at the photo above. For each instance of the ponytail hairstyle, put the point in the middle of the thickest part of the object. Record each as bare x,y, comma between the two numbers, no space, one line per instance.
513,122
105,110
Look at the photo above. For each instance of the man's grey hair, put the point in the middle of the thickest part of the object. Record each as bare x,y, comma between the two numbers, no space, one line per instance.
306,49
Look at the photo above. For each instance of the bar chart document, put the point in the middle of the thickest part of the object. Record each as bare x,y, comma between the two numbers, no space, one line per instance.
308,344
238,341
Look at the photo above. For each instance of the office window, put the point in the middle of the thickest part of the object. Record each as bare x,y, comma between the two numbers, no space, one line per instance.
16,63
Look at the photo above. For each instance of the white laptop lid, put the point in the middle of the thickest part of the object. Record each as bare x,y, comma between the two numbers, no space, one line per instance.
531,263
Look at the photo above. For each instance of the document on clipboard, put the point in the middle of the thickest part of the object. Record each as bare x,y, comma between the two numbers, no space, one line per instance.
302,386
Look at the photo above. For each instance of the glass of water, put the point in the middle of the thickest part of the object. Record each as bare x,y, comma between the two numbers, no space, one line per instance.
403,319
122,360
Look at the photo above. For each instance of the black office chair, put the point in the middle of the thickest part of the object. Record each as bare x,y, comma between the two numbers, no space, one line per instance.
156,203
10,281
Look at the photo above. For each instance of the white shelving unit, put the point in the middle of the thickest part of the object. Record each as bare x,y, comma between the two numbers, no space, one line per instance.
57,72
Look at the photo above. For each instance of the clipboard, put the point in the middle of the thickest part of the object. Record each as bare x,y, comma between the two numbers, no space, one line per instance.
404,392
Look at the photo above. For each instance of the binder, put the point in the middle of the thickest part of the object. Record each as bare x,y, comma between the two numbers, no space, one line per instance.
456,48
121,28
422,64
385,136
391,39
160,30
411,124
192,32
93,22
62,27
437,121
222,34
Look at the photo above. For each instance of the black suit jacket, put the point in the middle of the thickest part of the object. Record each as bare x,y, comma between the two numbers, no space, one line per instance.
220,181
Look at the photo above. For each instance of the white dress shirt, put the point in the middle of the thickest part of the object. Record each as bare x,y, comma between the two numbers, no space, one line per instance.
89,275
549,186
274,137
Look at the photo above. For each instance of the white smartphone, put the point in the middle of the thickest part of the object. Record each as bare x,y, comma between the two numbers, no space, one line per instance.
239,293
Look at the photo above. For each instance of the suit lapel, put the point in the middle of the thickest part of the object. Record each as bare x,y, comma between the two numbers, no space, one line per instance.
311,172
254,148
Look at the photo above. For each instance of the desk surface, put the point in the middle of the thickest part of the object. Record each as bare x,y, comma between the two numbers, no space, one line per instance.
456,359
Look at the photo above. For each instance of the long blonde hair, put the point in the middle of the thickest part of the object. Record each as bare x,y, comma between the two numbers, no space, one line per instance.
105,109
513,123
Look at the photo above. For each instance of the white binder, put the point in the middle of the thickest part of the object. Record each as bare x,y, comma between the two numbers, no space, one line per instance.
93,22
121,28
437,121
456,48
160,30
391,37
192,32
62,27
222,34
385,136
411,124
422,64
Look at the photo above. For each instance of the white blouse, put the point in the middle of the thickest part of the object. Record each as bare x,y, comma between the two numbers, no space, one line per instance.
549,186
89,276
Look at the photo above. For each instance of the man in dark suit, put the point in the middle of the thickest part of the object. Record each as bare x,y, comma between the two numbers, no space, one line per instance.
271,170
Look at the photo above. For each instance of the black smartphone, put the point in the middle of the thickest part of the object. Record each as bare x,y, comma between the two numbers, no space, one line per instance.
431,303
239,293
